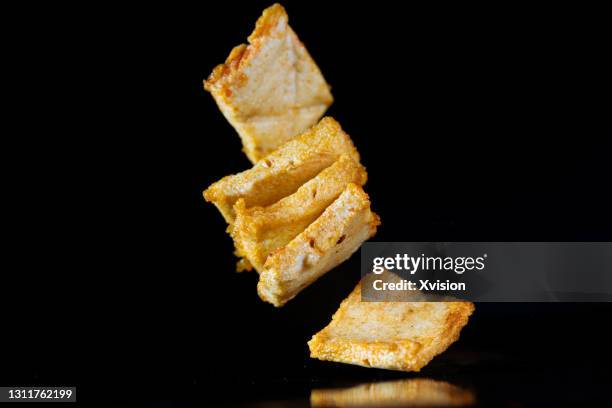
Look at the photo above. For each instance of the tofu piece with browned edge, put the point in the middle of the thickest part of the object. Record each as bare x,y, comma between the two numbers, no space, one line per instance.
283,171
402,336
328,241
270,90
258,231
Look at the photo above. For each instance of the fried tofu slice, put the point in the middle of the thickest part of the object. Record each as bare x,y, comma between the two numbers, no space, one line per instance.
283,171
326,243
422,392
402,336
257,231
270,90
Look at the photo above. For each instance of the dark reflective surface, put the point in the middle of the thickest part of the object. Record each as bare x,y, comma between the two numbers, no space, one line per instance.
408,392
553,354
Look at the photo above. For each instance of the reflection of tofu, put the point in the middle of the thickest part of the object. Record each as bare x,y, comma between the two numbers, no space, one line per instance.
283,171
327,242
394,335
257,231
422,392
270,90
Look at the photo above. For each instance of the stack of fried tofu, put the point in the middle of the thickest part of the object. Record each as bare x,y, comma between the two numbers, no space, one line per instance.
301,209
298,212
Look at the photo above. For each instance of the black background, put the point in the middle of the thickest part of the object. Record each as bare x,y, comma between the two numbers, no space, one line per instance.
474,124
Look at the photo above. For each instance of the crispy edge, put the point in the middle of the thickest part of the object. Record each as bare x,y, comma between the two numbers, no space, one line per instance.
224,73
327,131
270,283
396,355
252,223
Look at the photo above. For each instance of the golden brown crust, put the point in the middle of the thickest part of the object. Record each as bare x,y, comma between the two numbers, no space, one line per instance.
393,335
326,243
270,90
225,70
268,20
257,231
283,171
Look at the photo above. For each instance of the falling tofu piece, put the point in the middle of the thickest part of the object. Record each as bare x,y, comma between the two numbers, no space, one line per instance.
270,90
283,171
326,243
257,231
421,392
402,336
